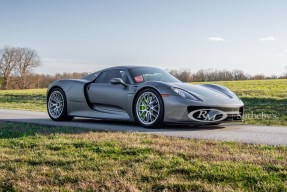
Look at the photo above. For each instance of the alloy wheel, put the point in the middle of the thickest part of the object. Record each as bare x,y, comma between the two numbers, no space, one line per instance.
148,108
56,104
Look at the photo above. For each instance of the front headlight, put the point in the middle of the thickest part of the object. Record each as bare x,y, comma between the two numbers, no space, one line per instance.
185,94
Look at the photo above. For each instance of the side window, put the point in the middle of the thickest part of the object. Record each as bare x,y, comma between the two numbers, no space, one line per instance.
124,77
106,76
102,78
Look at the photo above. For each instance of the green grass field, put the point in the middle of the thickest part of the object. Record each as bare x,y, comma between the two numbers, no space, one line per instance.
42,158
31,99
260,96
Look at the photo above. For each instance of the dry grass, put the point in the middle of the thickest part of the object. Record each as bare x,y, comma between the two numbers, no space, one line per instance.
71,159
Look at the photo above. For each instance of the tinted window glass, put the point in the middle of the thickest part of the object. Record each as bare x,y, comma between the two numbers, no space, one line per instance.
143,74
105,77
124,77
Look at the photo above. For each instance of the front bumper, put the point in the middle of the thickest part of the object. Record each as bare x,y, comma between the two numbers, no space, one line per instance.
177,110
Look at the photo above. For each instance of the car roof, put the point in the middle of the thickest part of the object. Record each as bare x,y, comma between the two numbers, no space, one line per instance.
125,67
115,67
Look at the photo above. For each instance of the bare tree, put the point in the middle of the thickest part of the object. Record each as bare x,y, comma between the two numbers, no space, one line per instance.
17,64
258,76
26,60
238,75
7,65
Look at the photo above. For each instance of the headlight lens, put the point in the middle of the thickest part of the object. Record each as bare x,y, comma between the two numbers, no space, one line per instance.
185,94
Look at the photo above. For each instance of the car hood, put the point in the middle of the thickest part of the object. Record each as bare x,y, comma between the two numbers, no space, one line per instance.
209,95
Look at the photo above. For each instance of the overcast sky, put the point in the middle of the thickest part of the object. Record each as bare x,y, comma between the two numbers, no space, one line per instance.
76,36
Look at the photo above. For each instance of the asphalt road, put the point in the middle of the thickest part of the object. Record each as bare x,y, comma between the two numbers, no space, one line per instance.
271,135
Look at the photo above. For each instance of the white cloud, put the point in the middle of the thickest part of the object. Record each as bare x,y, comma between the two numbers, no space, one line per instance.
268,38
280,54
216,39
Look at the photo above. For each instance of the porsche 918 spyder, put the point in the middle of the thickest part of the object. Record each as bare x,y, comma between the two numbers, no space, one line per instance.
147,95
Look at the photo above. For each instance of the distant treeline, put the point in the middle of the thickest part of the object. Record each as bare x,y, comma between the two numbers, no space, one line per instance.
36,81
43,81
219,75
17,65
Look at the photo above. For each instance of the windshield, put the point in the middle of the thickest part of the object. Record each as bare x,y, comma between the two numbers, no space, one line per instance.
144,74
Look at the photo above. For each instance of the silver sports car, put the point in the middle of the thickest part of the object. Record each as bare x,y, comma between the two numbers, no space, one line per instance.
146,95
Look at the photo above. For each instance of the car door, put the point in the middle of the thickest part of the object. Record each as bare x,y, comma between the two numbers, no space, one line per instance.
107,97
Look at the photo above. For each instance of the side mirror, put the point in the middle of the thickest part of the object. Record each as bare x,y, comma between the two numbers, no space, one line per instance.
116,81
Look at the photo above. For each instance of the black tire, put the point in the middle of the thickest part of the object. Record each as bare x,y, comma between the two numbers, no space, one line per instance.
213,124
63,115
158,122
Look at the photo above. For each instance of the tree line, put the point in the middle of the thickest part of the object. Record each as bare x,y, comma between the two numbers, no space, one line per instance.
36,81
219,75
17,66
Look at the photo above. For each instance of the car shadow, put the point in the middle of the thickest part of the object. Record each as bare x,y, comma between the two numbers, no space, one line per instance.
30,127
132,126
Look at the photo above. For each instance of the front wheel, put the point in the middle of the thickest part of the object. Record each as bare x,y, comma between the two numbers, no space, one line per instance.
149,109
57,105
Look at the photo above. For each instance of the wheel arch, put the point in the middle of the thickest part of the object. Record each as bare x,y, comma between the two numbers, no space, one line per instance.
64,114
52,88
136,95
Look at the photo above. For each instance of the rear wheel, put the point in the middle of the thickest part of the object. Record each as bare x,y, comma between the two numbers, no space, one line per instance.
149,108
57,105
